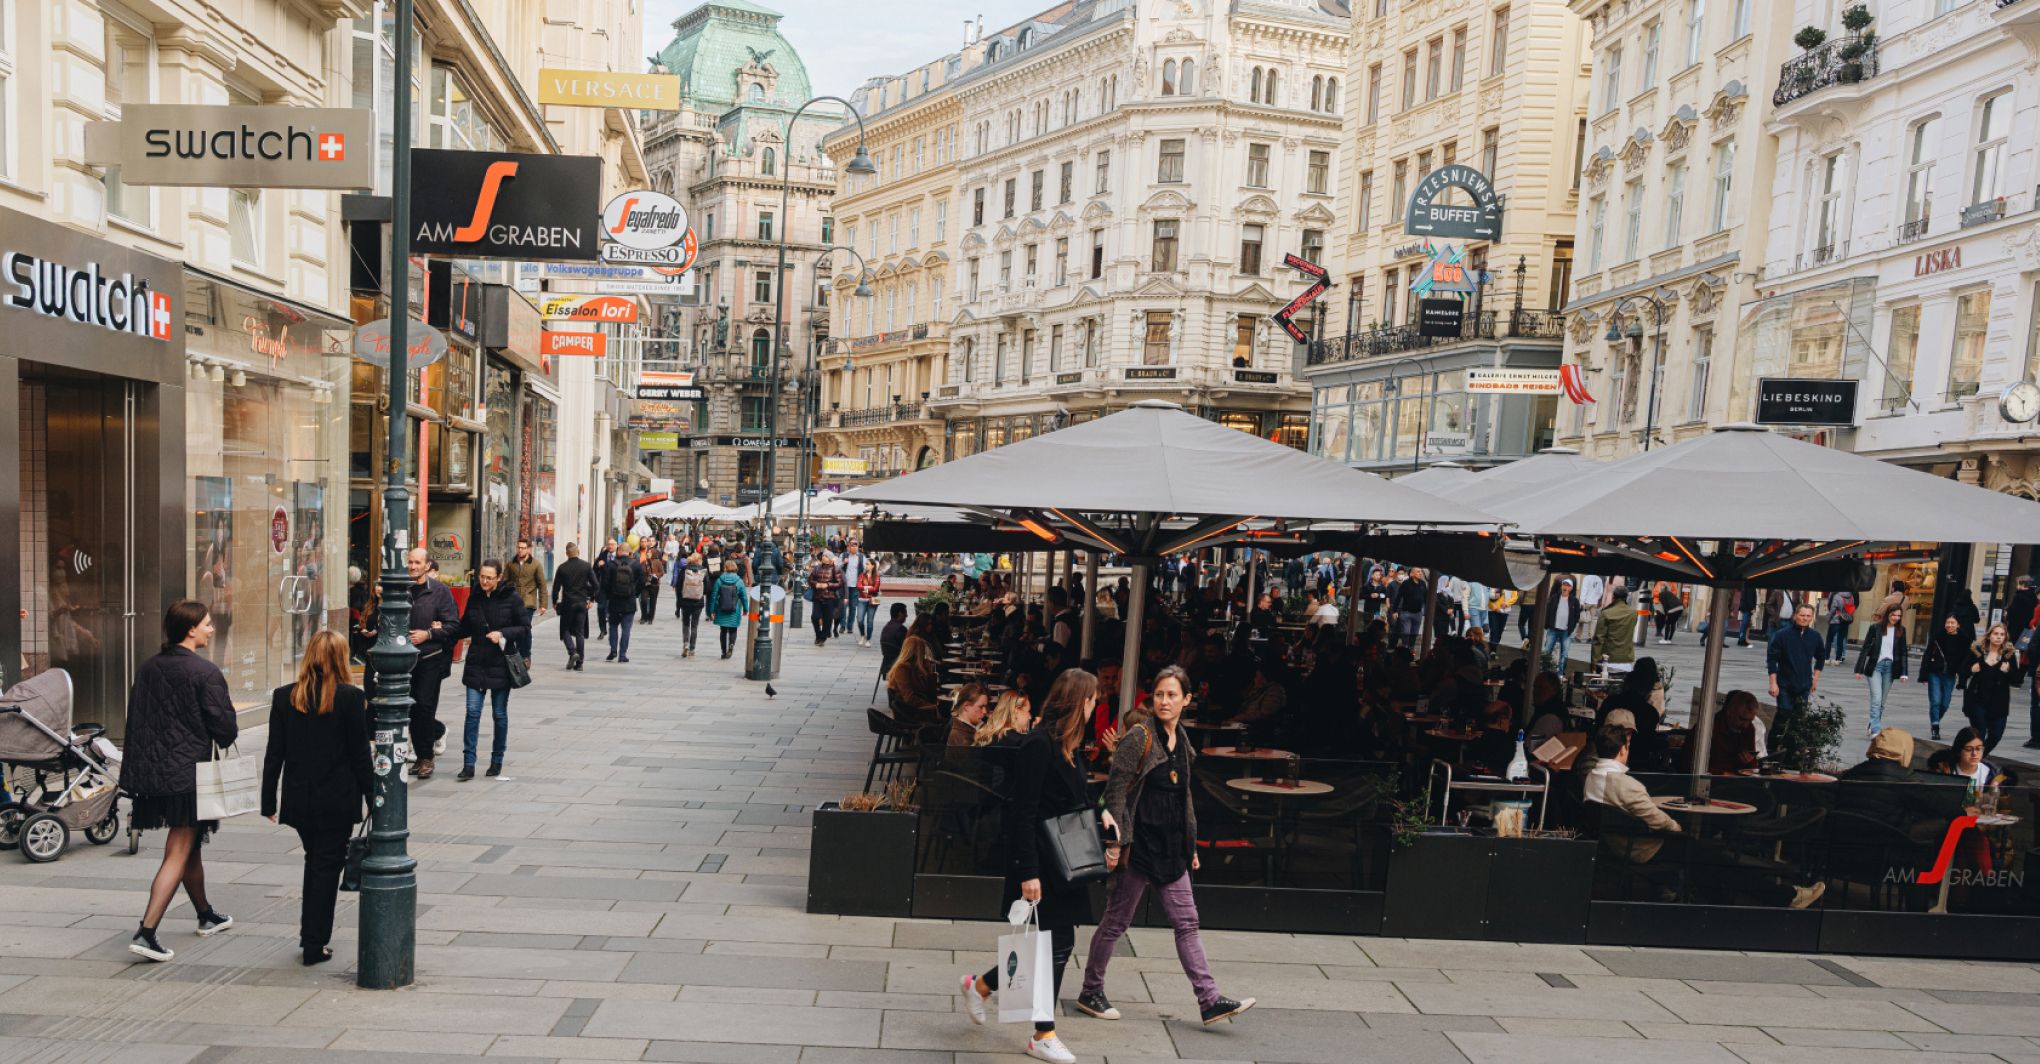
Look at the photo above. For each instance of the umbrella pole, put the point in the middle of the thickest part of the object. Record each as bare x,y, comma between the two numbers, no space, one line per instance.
1129,654
1253,593
1718,607
1535,651
1430,610
1090,603
1353,578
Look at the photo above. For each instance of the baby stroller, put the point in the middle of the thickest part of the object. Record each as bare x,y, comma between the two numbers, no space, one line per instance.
59,777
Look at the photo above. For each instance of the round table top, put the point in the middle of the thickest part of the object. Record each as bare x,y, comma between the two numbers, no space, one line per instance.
1997,820
1677,803
1258,753
1800,777
1453,736
1257,785
1218,726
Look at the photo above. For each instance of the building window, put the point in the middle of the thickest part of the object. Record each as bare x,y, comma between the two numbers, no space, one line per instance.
1498,43
1902,354
1696,30
1434,66
1724,185
999,359
892,306
1090,344
1632,220
1828,231
1490,150
1187,84
1243,341
912,303
1398,192
1006,270
1374,93
1169,77
1611,80
761,286
1055,349
1250,249
1972,329
913,227
1012,195
1459,59
1169,166
969,359
1675,204
1036,187
768,161
1741,24
1164,257
1026,355
1919,175
1579,153
1155,348
1423,166
708,229
977,207
1599,224
244,225
1703,358
1993,124
1652,36
1257,166
130,72
973,273
1317,92
1033,257
892,234
1409,79
1254,86
1366,206
1331,96
1318,173
941,220
1561,275
1097,253
1066,179
1390,289
1104,181
765,225
828,230
1062,261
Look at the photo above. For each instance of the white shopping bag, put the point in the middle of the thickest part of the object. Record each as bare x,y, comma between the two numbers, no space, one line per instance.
229,785
1026,966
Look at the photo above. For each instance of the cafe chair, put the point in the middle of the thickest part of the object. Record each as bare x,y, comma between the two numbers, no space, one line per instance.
1863,850
892,748
956,808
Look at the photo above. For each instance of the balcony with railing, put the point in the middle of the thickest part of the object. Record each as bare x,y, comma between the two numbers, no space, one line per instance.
880,415
1842,61
1913,230
1401,339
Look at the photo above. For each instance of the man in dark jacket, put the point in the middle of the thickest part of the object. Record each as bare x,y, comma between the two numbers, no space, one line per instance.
573,588
825,583
1406,601
601,573
435,628
1794,660
621,578
892,637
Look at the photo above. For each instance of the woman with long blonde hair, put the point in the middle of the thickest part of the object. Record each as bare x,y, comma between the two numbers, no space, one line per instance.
913,683
318,752
1011,715
1993,672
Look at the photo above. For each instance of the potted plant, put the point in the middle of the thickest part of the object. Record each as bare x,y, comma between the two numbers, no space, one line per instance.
1809,38
1463,883
861,862
1857,18
1812,738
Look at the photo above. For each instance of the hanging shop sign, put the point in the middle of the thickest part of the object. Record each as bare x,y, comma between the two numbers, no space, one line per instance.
595,88
1253,376
1794,401
496,205
573,343
658,441
671,289
1446,442
1150,373
1319,281
279,530
1441,318
1514,382
644,220
843,467
237,147
423,344
1428,217
608,309
668,387
746,443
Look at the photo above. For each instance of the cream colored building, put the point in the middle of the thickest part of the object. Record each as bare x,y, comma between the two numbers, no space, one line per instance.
1673,216
1132,173
889,351
1501,88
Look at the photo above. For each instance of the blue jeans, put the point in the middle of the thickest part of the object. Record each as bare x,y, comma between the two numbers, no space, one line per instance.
1880,685
1497,621
1558,642
846,614
1940,691
1837,640
867,614
621,620
1789,703
500,707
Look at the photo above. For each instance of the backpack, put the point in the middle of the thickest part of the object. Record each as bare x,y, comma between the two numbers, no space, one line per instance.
692,583
622,577
727,598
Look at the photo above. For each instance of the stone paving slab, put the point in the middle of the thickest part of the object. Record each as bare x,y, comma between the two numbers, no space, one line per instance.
633,891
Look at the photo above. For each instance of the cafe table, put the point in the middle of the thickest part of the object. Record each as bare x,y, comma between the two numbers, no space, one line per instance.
1255,753
1531,788
1679,803
1282,788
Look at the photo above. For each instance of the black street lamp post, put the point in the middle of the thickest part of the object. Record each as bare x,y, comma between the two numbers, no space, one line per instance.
766,560
810,414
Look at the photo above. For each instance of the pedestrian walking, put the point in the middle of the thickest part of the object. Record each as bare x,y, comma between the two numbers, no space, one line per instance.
573,588
1670,607
870,585
1047,780
527,576
690,593
178,711
1148,809
652,563
622,579
602,559
852,566
493,624
1962,606
1526,608
825,585
1992,675
1794,657
1882,661
317,777
729,599
1841,612
1944,666
1746,613
1561,619
1615,635
435,630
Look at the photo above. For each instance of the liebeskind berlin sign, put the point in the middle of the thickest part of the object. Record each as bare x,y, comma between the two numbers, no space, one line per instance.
237,147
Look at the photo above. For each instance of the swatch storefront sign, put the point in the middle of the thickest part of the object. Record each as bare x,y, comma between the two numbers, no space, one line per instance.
496,205
237,147
72,299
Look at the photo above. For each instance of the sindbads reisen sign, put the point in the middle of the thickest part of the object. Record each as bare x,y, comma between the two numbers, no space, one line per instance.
237,147
498,205
1795,401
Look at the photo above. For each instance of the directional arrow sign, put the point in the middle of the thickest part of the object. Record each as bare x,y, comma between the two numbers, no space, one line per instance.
1319,281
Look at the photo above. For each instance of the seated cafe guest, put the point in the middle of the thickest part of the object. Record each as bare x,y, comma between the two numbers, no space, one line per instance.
1609,783
1012,718
913,683
1264,698
1496,745
1735,736
1968,761
1643,694
1922,812
972,703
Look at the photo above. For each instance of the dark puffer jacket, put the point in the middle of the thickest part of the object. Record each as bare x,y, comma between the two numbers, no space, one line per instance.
501,612
178,711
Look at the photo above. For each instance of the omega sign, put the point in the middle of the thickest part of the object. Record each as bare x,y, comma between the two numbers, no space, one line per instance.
1428,217
494,205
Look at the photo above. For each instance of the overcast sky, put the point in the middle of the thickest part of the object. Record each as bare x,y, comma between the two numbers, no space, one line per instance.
843,44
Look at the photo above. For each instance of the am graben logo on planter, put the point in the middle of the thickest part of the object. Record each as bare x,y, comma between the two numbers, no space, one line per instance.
1943,868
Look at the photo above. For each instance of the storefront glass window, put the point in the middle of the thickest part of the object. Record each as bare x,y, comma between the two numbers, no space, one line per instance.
995,433
1242,420
499,457
964,443
1294,430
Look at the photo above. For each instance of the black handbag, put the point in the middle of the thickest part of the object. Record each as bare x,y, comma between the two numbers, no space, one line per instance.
357,852
1074,851
518,669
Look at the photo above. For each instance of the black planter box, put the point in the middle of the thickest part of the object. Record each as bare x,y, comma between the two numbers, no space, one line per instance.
1449,885
862,864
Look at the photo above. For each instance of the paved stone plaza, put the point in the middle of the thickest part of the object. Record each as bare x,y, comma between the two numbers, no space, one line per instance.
632,890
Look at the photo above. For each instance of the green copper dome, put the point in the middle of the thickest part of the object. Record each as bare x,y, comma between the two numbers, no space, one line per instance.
715,41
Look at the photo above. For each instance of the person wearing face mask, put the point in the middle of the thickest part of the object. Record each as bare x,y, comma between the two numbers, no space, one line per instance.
493,624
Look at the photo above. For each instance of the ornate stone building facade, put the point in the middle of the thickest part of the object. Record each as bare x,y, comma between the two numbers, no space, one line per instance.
728,154
1131,174
1500,88
1673,216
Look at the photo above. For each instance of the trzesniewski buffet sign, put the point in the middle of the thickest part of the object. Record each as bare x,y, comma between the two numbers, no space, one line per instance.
237,147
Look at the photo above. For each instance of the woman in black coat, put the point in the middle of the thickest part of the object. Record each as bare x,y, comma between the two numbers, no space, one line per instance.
493,624
178,712
1993,672
318,751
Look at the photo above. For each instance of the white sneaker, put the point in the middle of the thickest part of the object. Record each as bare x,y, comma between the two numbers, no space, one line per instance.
973,1002
1050,1048
439,746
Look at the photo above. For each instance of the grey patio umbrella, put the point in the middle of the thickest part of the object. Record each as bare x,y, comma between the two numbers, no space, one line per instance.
1742,504
1153,480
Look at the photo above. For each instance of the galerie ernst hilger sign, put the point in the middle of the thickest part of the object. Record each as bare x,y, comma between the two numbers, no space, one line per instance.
496,205
237,147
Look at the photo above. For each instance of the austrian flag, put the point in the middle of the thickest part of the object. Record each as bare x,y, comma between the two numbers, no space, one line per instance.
1574,380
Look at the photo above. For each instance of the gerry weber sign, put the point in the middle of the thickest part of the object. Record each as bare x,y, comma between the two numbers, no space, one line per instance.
82,302
237,147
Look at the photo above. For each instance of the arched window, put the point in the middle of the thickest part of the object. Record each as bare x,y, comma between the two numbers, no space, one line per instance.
757,91
1187,86
768,163
1254,87
1169,78
761,347
1317,93
1332,96
1268,96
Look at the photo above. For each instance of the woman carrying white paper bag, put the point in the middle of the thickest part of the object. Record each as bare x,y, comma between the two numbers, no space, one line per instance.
178,712
1025,956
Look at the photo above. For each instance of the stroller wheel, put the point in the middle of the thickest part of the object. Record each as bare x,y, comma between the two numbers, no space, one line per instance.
44,838
11,818
103,832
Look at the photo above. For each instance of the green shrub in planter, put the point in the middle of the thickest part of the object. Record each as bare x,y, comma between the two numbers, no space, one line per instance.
1857,18
1809,38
